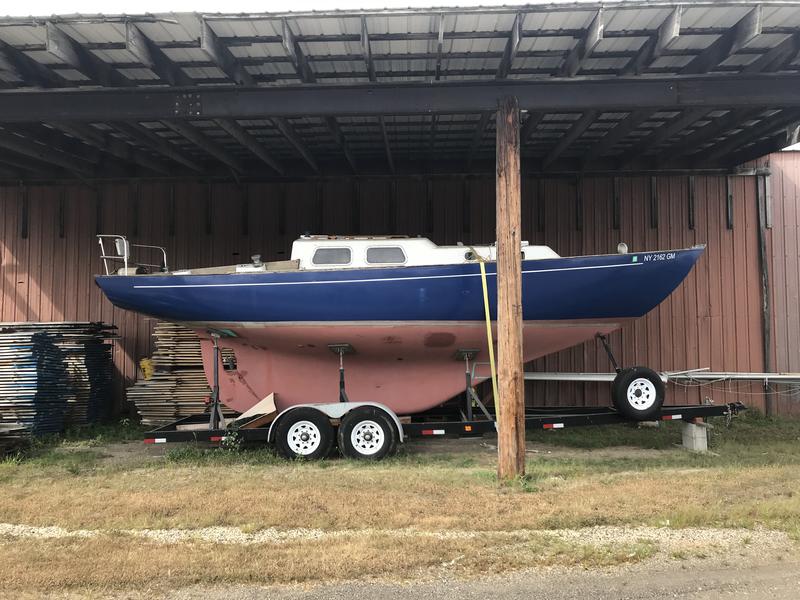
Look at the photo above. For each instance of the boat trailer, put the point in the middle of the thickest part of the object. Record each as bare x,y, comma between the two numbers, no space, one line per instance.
371,431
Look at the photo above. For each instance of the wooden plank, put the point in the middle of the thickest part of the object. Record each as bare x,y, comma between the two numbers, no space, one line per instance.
511,403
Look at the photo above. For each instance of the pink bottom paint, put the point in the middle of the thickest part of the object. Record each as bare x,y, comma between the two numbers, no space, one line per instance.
410,367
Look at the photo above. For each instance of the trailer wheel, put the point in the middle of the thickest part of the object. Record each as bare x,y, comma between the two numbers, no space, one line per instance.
367,433
304,433
638,393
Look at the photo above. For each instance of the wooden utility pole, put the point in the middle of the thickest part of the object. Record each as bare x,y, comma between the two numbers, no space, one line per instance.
510,380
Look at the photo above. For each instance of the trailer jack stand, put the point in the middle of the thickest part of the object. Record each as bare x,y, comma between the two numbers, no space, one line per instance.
607,348
341,350
470,395
216,409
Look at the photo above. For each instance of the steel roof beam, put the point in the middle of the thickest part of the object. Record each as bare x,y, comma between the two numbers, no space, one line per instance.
477,137
512,47
787,136
306,75
338,137
573,133
366,51
583,49
9,172
295,53
387,147
24,163
157,61
291,135
530,125
655,46
612,137
219,53
781,122
28,69
143,136
26,147
153,57
111,145
553,95
663,133
70,52
240,134
776,58
432,133
248,40
693,142
439,45
727,45
56,140
199,139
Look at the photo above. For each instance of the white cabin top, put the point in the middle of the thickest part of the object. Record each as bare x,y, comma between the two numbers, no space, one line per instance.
321,252
318,252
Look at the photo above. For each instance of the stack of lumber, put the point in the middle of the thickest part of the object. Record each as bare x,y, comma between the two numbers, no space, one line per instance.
34,389
54,375
177,386
87,353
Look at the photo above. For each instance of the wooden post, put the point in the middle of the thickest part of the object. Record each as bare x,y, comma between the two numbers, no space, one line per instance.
511,403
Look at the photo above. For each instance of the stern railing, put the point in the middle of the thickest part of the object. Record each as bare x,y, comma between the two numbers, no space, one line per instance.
122,247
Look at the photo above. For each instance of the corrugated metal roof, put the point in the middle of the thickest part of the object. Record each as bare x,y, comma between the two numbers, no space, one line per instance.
405,46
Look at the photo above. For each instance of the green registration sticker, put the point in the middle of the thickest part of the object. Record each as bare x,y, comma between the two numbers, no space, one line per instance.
635,259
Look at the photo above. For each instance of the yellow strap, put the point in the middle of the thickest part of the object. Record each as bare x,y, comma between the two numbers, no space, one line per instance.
488,327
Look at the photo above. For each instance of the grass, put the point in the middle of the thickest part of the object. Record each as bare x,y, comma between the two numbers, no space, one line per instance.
95,435
56,565
751,480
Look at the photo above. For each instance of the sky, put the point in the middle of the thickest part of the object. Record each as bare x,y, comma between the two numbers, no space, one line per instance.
113,7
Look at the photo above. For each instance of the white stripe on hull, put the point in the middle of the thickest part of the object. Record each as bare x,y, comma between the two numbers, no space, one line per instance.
374,280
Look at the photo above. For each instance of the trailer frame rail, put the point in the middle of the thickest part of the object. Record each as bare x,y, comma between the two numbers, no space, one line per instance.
446,423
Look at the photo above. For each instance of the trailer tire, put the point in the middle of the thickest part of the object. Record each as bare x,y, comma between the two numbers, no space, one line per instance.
304,433
367,433
638,393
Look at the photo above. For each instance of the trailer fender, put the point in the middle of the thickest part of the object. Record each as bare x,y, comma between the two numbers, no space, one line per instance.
337,410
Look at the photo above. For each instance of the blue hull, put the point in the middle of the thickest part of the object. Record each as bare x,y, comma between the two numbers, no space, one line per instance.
559,289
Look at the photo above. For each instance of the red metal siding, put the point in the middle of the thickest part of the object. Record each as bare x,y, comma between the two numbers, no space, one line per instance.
785,269
713,320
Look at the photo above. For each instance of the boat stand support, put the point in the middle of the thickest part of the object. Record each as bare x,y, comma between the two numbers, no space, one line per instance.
341,350
216,408
467,355
470,395
604,340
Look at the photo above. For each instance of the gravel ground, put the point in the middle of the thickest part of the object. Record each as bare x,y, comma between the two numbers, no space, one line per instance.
755,582
753,579
666,539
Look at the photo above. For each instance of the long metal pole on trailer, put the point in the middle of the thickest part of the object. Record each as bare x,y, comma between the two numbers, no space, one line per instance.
511,401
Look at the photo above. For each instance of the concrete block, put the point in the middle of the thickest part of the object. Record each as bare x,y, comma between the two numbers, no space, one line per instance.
695,437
